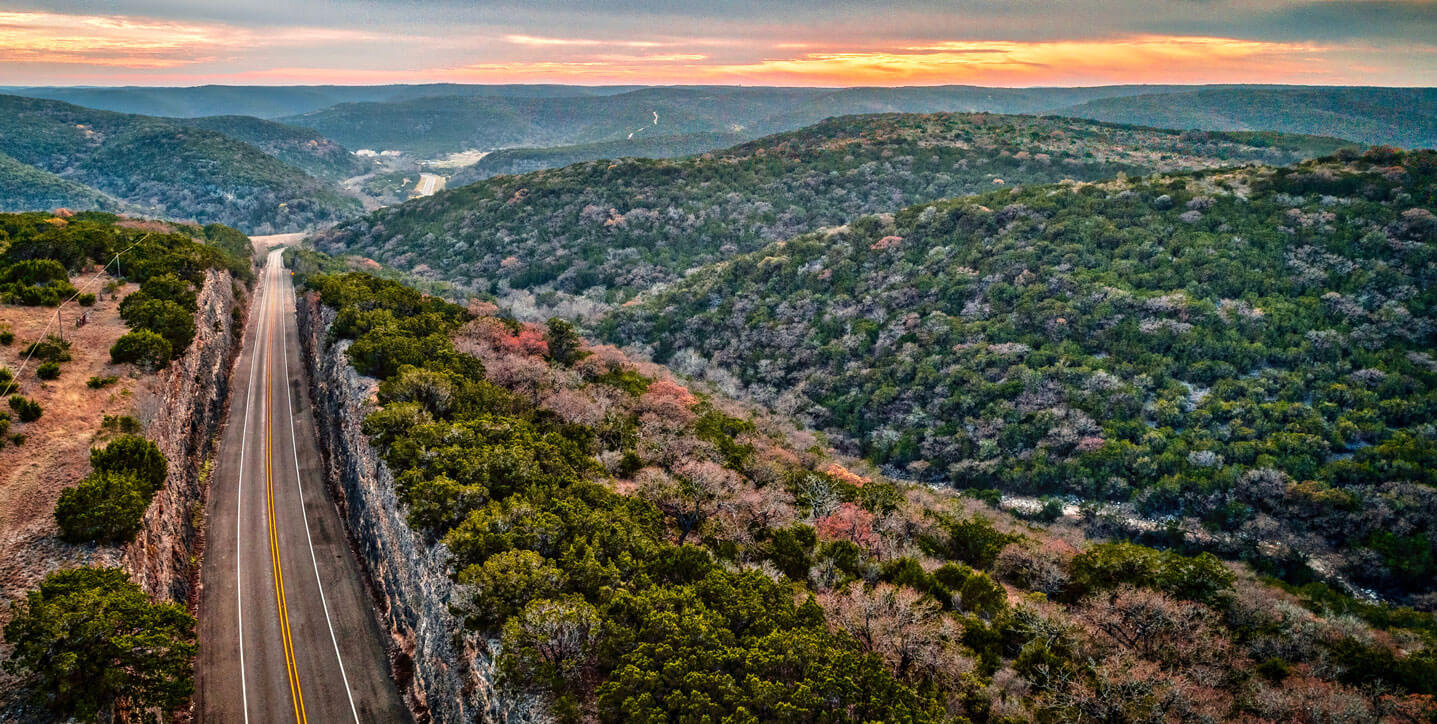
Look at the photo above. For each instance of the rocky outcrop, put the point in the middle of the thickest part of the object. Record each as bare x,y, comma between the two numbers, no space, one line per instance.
445,674
183,418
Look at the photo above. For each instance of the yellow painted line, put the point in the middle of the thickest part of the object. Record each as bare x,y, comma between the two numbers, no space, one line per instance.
296,691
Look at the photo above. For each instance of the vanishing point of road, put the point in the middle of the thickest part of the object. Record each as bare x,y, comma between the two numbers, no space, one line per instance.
286,629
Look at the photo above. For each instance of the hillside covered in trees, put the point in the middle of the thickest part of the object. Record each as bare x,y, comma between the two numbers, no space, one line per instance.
1395,116
646,551
165,168
25,188
1243,356
608,229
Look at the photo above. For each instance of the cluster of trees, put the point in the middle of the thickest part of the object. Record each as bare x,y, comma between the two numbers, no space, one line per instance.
645,552
1244,351
88,644
610,229
109,504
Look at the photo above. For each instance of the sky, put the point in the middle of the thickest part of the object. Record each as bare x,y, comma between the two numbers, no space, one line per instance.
782,42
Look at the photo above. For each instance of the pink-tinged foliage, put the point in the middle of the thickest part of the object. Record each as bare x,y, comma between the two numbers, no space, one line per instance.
529,340
901,626
846,475
851,523
668,401
577,407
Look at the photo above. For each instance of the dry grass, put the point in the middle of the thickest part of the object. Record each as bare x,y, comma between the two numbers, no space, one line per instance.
56,451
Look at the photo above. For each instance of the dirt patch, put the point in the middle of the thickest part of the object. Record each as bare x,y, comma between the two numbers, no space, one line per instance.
55,454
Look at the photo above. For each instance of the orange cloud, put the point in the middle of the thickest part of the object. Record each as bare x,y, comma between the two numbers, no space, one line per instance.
142,43
1136,59
579,42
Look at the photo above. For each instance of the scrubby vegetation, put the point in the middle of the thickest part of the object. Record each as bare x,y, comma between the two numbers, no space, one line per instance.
1242,358
88,643
169,262
108,505
646,552
606,230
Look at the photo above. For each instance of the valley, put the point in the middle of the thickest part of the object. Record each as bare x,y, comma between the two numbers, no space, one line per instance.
647,403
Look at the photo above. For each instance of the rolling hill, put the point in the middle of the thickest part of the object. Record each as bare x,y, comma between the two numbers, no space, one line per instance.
1405,117
167,169
26,188
276,101
610,229
1243,356
300,147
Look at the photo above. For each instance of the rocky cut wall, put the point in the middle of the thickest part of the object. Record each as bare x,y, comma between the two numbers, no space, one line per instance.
446,675
183,415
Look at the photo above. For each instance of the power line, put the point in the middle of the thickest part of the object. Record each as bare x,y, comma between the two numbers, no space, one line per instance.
116,260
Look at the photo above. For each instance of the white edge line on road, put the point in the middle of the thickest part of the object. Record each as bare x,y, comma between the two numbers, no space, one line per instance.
304,516
239,498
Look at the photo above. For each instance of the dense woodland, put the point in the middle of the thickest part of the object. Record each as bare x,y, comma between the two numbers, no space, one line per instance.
299,147
169,169
642,551
1246,355
26,188
610,229
1404,117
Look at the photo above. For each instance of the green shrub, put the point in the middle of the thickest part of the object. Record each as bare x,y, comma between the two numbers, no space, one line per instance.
106,507
98,382
120,423
163,317
86,300
25,408
88,637
48,371
49,349
142,348
1201,578
132,454
7,337
165,287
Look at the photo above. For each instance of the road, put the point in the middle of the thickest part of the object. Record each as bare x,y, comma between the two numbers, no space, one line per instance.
286,628
429,184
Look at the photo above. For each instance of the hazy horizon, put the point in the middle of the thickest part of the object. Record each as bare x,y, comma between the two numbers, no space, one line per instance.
806,43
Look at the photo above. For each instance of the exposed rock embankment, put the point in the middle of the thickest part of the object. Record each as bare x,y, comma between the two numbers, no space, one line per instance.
445,675
183,415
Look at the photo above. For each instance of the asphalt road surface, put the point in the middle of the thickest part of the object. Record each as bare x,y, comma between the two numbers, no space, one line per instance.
286,629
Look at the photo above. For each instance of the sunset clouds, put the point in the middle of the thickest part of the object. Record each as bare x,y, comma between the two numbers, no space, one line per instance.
909,42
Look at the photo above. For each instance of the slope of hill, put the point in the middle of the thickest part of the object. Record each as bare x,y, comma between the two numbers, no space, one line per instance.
645,551
435,126
1247,354
511,161
26,188
299,147
167,169
1396,116
621,227
277,101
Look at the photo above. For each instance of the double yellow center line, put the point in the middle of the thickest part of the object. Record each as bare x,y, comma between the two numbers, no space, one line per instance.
296,692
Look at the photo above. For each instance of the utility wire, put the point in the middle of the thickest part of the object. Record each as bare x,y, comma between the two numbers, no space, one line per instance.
43,333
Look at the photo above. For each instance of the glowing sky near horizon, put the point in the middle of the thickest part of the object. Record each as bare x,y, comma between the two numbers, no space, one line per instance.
797,42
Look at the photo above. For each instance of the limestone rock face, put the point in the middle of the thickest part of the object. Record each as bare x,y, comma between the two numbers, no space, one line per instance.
446,675
184,419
